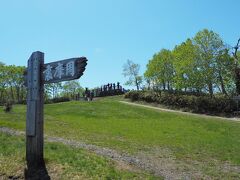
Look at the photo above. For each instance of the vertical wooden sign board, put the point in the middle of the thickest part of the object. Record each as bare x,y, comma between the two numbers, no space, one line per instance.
34,125
37,75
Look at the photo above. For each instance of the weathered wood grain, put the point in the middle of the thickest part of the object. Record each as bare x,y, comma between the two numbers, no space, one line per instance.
34,125
36,75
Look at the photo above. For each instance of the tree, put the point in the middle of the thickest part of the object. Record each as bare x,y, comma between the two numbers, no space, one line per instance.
11,82
208,44
71,88
131,70
3,83
16,82
187,76
236,56
153,73
160,70
224,71
53,89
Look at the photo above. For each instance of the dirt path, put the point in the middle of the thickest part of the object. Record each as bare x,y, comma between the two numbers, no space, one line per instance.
122,159
181,112
164,168
159,161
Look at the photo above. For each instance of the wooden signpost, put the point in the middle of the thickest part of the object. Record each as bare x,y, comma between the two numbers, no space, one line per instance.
37,75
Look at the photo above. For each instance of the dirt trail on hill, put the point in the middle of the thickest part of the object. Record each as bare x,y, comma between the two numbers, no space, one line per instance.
177,111
159,161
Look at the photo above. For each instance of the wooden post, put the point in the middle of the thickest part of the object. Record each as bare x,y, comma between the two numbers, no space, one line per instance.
34,125
39,74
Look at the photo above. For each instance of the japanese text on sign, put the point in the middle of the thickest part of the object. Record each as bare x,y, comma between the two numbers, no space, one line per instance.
59,71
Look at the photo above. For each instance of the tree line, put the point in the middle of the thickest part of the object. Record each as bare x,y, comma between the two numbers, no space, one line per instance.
202,64
12,83
68,89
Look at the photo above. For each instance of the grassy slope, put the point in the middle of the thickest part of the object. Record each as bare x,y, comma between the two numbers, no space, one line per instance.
62,161
109,123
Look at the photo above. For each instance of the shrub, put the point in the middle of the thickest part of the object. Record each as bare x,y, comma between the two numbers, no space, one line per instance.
8,107
133,95
60,99
198,103
57,100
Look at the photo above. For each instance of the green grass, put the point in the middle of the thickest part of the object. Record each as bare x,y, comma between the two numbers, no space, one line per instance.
64,162
108,123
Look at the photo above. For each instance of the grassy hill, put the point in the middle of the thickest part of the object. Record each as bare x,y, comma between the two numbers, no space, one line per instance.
188,145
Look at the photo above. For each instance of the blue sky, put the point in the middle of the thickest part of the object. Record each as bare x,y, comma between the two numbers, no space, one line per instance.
108,32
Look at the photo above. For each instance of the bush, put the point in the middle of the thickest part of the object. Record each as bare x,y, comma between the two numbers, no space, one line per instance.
60,99
57,100
8,107
198,103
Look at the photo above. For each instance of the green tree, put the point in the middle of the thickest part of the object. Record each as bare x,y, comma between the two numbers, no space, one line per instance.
131,70
15,82
208,45
12,83
187,76
152,74
71,88
3,82
53,89
224,71
19,83
160,70
236,56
